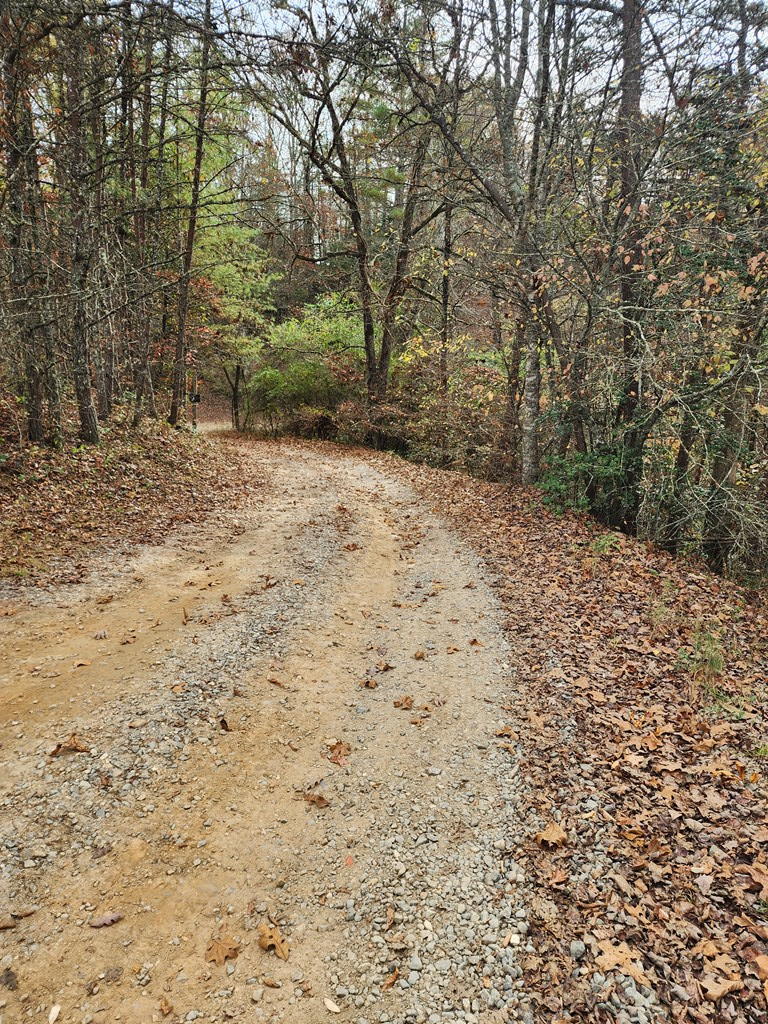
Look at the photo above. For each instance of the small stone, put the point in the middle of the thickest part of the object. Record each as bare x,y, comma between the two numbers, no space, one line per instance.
578,949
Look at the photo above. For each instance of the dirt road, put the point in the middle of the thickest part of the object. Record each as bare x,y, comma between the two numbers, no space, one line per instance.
287,719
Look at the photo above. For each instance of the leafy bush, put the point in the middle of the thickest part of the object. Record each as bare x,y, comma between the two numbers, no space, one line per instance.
599,481
277,393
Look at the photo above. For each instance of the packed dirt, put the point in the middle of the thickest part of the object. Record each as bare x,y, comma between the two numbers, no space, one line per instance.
205,741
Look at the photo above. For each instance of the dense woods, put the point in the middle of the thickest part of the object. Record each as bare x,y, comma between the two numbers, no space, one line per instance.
525,238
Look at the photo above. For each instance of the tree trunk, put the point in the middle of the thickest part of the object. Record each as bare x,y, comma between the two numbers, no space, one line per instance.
529,470
179,365
77,168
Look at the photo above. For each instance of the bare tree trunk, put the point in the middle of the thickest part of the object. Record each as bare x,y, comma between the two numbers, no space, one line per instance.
80,245
179,366
529,469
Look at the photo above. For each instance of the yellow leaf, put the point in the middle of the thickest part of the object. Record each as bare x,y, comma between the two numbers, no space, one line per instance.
552,835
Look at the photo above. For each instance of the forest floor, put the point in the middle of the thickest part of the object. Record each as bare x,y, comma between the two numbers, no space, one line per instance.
374,743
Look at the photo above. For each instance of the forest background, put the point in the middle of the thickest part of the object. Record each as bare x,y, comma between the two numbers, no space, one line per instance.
523,238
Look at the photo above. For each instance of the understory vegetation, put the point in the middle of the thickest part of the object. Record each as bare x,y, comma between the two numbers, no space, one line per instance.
525,240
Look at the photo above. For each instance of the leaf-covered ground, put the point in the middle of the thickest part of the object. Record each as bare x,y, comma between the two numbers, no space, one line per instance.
61,504
644,685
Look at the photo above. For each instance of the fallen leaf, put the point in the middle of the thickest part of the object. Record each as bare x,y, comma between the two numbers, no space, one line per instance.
369,684
270,938
390,918
224,725
552,835
276,682
474,642
179,688
452,650
758,872
106,920
9,980
390,979
404,703
420,655
271,983
316,799
704,883
507,731
165,1007
715,988
340,751
330,1005
623,957
71,746
81,663
384,666
18,914
220,948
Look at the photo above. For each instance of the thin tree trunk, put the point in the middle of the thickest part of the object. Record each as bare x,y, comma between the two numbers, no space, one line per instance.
179,366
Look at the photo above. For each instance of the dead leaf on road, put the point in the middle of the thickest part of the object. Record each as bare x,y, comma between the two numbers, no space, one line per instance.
369,684
270,938
165,1007
404,703
390,979
420,655
340,751
552,835
221,948
8,980
384,666
71,746
316,799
